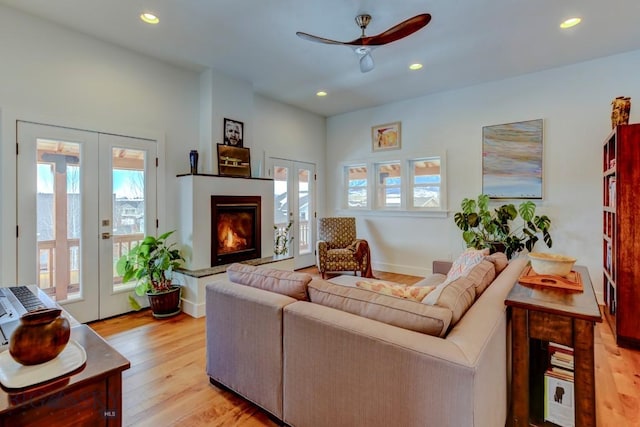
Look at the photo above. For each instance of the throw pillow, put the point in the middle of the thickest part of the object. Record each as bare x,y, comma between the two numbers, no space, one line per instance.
461,266
415,293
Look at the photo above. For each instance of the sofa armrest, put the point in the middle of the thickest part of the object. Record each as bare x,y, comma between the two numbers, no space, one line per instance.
441,266
321,254
244,341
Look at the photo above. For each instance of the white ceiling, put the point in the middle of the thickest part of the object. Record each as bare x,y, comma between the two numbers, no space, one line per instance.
467,41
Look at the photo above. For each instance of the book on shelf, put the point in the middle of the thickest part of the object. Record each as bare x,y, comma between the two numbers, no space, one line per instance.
559,401
612,191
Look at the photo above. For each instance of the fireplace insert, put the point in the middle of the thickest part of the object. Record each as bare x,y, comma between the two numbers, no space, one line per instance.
235,229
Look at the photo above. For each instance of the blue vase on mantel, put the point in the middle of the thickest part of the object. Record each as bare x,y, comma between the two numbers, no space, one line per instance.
193,161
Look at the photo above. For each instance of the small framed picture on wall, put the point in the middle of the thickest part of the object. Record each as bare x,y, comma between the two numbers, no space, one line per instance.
385,137
233,133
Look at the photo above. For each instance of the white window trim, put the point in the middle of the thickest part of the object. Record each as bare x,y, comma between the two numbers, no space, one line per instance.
443,184
405,209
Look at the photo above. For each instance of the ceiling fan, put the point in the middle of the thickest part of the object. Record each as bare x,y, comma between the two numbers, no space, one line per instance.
364,44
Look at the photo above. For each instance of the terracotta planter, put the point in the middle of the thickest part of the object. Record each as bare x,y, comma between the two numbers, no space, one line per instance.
165,304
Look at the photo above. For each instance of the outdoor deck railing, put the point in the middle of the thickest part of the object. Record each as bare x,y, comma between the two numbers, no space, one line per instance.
46,264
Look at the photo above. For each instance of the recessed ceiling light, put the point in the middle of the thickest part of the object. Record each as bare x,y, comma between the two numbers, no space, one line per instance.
415,66
321,93
149,18
571,22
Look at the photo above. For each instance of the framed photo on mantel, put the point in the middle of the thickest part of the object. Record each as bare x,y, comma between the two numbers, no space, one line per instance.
234,161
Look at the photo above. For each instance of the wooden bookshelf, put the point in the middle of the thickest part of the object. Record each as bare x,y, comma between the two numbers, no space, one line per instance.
621,232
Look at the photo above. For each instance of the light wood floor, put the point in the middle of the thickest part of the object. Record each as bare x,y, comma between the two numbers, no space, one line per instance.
167,384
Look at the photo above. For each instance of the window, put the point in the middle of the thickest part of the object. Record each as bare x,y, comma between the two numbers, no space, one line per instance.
357,186
388,185
425,182
415,184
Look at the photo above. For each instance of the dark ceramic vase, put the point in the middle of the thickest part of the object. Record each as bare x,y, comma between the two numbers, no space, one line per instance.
40,337
193,161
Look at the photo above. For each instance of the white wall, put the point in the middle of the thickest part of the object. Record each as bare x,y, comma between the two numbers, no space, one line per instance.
56,76
286,132
574,102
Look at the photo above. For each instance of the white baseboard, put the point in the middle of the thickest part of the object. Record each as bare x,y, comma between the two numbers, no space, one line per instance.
193,309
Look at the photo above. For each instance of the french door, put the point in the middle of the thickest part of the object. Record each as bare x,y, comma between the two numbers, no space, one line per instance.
294,202
84,198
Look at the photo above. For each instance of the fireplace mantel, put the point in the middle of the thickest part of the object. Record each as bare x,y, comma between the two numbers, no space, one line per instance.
222,176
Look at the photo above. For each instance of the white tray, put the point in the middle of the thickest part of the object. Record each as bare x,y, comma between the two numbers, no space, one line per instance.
15,375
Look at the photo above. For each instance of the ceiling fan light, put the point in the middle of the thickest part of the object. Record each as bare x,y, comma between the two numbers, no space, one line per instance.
366,63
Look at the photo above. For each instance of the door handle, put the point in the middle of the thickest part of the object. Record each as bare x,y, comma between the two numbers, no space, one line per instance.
106,236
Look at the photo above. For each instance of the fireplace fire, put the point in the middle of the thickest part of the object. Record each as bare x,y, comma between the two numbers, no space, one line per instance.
235,229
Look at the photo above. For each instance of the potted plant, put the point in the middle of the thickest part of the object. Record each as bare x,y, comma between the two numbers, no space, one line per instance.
495,228
151,264
282,239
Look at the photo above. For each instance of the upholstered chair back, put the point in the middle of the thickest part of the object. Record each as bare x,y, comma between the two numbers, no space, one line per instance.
338,232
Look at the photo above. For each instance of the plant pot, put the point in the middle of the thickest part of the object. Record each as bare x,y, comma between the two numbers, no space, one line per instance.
165,304
497,247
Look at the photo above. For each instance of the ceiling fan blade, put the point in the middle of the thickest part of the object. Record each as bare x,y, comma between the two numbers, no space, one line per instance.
366,63
397,32
312,38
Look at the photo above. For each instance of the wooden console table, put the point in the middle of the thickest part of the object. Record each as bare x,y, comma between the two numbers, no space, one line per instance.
89,396
564,317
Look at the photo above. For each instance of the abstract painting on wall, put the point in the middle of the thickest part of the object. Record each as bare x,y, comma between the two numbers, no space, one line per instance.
512,160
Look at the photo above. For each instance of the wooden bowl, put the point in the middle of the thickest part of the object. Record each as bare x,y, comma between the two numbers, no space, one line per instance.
551,264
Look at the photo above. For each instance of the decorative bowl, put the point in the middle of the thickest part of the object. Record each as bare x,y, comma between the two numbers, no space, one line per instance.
552,264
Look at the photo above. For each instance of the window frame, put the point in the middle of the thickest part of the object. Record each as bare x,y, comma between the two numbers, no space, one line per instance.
379,189
406,186
347,187
411,185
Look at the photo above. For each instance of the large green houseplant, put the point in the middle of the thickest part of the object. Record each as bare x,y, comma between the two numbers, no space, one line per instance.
497,228
151,264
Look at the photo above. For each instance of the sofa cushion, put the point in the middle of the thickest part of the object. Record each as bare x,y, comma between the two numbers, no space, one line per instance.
414,293
283,282
457,297
460,267
399,312
500,260
482,275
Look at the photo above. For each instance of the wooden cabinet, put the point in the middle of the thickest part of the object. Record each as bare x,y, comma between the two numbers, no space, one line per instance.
621,233
540,315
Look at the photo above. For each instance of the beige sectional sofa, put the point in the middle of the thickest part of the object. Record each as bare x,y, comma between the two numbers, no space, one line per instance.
315,363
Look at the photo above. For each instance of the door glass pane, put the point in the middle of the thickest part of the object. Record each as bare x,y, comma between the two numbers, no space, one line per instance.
58,213
281,204
128,195
304,229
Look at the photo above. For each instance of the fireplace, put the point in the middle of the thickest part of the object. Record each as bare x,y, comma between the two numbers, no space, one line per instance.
235,229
